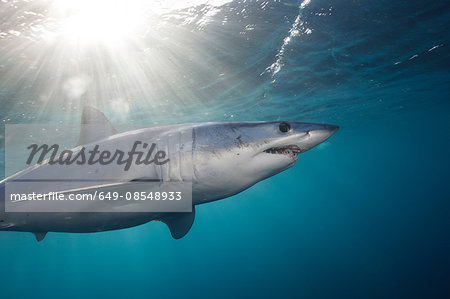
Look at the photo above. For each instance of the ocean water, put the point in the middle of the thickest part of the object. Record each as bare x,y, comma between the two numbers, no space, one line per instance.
364,215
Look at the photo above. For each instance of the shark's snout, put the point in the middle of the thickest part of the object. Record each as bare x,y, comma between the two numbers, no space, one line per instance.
316,134
298,138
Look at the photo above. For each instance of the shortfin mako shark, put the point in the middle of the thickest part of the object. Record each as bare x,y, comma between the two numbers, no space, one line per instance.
225,158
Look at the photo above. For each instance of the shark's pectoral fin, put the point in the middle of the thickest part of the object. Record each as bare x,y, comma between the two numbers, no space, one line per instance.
40,236
94,126
179,223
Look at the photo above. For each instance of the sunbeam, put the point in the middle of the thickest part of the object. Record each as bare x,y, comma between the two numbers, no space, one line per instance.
113,23
64,54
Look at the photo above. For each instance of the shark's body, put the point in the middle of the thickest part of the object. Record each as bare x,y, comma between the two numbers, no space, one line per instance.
224,159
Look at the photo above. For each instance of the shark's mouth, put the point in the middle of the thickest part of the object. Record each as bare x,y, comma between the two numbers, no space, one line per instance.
290,150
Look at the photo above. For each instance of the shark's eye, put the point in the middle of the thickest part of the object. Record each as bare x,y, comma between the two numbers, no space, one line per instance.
284,127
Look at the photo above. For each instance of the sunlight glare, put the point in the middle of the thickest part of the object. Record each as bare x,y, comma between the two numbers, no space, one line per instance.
112,22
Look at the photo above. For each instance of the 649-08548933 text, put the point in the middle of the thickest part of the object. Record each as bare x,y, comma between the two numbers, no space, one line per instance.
102,196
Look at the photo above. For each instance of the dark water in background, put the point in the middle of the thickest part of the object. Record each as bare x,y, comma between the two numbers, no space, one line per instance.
364,215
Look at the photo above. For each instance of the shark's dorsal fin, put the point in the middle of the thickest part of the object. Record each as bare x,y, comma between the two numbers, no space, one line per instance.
179,223
40,236
94,126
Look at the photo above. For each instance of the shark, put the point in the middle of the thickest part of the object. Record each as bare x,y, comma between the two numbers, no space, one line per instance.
218,159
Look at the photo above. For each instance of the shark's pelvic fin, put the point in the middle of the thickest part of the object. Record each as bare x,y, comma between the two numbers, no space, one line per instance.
94,126
179,223
40,236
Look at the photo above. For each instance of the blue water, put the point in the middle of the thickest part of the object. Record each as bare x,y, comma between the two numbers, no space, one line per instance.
364,215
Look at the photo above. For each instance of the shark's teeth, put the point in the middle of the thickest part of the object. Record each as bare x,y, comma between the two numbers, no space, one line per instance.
290,150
